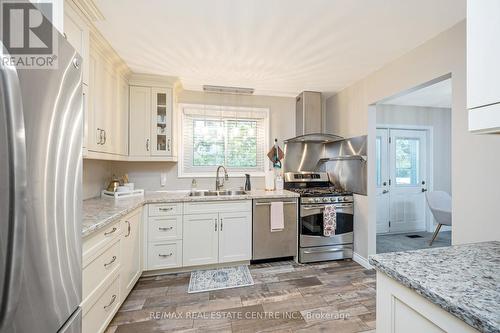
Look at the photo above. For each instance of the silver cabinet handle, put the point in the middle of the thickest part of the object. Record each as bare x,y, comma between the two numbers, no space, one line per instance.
424,190
215,224
147,144
165,229
107,233
113,299
221,224
128,229
165,255
385,191
105,139
100,136
111,262
12,107
168,145
165,209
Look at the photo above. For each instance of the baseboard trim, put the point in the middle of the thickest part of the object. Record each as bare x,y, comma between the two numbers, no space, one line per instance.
361,260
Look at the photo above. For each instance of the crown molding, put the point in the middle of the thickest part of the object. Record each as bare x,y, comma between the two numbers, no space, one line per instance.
142,79
89,9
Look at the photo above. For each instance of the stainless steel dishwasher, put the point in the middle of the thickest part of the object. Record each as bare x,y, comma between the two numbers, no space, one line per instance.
279,244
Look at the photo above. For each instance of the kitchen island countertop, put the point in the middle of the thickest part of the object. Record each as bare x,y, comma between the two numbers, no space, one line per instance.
100,212
464,280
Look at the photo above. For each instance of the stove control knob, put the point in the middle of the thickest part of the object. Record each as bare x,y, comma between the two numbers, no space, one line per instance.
317,199
326,199
339,199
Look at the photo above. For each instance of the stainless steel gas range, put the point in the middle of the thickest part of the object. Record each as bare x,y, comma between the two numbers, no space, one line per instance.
316,192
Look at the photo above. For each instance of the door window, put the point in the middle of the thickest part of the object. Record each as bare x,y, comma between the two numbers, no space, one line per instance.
407,161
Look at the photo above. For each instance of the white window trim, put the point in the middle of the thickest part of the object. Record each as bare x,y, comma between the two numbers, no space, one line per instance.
180,140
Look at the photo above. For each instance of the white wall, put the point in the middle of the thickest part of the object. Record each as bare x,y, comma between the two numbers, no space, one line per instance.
440,120
474,165
146,175
95,176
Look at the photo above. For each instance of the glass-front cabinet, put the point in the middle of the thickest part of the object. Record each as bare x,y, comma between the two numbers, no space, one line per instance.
161,117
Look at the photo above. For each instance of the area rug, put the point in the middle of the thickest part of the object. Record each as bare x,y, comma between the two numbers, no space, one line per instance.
220,278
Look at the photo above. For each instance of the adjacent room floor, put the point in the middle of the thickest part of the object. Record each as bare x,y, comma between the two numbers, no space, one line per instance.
287,297
401,242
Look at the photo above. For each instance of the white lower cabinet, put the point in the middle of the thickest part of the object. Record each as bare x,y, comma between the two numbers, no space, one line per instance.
221,236
131,250
201,239
235,240
162,255
111,266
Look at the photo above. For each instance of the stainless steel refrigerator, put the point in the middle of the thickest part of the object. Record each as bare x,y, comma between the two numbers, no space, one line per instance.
40,196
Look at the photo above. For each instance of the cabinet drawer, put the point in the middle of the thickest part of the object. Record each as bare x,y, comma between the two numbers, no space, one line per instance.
102,238
100,268
164,228
218,206
164,255
98,316
165,209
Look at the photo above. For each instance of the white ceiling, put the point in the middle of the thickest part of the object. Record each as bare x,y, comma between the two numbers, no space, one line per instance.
437,95
278,47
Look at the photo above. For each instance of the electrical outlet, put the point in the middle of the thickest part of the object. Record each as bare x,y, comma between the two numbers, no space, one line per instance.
163,179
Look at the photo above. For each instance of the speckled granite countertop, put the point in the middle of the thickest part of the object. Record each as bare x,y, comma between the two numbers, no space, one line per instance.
98,213
463,279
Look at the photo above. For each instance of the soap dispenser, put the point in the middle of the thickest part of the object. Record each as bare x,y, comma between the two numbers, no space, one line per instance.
248,185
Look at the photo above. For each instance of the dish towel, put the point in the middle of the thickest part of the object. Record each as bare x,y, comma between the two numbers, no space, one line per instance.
329,220
277,218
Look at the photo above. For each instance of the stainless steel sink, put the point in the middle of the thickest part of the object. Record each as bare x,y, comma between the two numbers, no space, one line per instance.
216,193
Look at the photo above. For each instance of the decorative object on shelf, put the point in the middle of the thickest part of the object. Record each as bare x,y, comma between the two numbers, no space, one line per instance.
276,155
113,184
122,194
221,278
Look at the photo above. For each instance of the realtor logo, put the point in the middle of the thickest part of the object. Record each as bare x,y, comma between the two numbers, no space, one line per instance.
28,37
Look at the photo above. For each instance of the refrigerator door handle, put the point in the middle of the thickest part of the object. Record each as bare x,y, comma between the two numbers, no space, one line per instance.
12,107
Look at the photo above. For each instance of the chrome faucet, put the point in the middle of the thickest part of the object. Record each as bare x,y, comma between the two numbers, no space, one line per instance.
218,182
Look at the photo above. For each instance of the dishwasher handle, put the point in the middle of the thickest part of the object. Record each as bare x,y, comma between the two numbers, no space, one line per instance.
269,203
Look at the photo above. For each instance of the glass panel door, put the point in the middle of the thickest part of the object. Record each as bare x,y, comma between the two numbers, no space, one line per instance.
408,170
161,135
382,179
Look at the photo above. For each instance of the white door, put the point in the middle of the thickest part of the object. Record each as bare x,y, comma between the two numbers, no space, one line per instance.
235,236
200,244
407,167
382,180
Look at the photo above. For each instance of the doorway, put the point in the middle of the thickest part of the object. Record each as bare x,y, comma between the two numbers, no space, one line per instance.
402,181
413,158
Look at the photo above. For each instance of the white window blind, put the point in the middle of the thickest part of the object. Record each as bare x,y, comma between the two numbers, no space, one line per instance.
220,135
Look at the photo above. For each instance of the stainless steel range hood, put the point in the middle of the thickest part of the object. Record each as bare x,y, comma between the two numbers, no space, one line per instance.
316,138
308,113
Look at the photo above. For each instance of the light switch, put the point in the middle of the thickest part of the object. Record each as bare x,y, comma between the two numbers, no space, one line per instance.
163,179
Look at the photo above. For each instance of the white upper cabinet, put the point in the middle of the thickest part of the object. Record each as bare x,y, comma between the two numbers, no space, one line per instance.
161,126
76,32
483,65
151,118
140,121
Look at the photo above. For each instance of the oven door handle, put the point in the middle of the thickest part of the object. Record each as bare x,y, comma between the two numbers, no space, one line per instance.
323,206
335,249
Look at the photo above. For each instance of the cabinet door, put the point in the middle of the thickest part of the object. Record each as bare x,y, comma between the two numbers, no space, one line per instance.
140,121
235,236
200,239
93,122
161,121
483,52
121,119
131,252
76,32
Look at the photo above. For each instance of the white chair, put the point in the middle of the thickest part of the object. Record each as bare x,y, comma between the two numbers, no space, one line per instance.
440,206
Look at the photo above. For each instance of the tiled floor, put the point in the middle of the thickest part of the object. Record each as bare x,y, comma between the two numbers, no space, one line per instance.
400,242
287,297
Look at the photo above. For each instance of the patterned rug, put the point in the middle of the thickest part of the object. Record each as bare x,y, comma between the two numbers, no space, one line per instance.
220,278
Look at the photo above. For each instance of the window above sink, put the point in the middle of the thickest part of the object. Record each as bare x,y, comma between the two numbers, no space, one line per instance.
236,137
